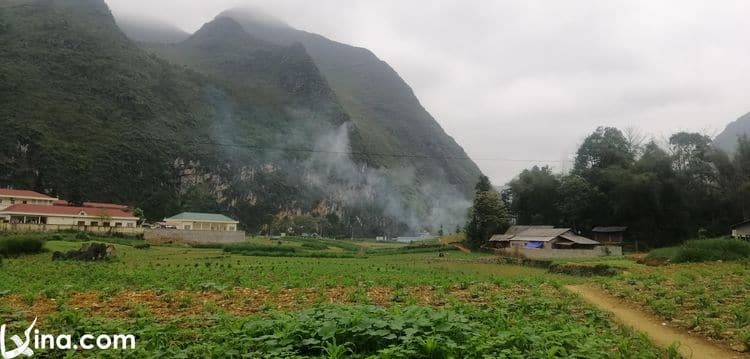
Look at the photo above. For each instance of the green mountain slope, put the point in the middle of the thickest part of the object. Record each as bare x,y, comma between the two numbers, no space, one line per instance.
382,106
727,139
222,121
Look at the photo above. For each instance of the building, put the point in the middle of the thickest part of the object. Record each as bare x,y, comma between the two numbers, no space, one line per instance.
609,235
549,242
189,221
538,237
68,216
741,230
9,197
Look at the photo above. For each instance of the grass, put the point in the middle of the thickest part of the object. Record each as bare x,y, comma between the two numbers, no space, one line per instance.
705,250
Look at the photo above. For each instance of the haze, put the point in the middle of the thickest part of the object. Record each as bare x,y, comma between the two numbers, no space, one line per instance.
519,83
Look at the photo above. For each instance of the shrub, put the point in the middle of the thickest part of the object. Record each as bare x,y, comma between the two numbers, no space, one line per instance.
315,246
17,245
142,246
704,250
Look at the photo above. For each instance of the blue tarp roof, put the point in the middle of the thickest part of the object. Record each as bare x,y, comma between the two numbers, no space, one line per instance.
534,245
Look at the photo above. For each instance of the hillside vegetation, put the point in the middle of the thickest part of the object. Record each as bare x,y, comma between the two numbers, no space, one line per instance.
224,121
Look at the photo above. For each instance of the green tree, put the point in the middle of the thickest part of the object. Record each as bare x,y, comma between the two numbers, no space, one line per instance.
484,184
487,216
534,195
606,147
577,202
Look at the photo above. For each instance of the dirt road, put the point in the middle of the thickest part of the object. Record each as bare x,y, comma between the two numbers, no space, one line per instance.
661,335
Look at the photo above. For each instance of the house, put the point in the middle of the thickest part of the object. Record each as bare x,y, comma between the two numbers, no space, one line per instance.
741,230
189,221
609,235
549,242
9,197
68,216
538,237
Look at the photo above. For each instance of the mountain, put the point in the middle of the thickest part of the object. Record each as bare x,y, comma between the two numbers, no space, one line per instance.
727,139
150,31
381,104
222,121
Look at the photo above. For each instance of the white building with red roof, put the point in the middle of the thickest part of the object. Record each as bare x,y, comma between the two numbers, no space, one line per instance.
9,197
68,216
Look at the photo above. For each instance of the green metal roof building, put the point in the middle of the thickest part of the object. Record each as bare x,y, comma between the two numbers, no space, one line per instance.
190,221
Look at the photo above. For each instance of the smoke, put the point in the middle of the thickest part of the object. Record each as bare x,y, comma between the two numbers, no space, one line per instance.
420,203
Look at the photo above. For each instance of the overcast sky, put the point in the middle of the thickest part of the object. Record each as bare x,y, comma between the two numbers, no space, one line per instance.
527,79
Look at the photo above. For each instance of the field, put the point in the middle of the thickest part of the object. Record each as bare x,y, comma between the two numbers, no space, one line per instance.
206,302
709,299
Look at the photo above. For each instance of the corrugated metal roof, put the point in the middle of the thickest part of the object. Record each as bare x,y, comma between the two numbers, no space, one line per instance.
518,229
533,239
543,232
207,217
578,239
609,229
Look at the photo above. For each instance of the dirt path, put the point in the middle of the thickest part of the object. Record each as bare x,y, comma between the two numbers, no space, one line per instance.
663,336
461,247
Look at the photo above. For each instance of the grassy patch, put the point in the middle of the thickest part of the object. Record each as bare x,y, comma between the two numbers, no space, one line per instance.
705,250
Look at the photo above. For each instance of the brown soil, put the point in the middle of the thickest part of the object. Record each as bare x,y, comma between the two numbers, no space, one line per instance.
657,331
243,301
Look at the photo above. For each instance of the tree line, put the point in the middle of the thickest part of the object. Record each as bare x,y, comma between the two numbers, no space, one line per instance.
666,194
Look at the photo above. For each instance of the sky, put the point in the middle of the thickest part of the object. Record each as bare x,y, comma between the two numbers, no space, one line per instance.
522,83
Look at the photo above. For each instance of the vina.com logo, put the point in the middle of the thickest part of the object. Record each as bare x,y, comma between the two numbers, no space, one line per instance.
26,347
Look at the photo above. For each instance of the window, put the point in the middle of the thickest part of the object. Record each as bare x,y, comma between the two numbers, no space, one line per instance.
94,224
118,224
12,201
81,223
25,202
105,224
131,225
187,227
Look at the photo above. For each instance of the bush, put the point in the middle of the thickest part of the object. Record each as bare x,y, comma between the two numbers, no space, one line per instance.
142,246
248,247
16,246
315,246
704,250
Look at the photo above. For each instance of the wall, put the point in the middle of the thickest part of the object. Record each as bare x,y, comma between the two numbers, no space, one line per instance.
599,251
741,231
25,228
158,236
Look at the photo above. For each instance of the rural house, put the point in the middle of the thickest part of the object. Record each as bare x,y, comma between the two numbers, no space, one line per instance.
68,216
549,242
609,235
202,222
741,230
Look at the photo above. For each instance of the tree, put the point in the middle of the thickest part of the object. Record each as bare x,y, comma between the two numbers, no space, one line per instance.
606,147
487,216
577,202
137,212
533,196
484,184
441,232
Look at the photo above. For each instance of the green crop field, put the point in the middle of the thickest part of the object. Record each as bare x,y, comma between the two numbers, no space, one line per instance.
207,302
710,299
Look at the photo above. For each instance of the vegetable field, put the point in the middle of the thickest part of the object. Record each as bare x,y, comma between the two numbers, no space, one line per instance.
207,302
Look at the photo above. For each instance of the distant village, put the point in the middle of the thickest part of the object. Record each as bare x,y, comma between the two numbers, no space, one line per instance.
29,211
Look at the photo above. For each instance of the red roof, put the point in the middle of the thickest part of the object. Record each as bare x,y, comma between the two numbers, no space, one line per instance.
65,210
22,193
62,202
